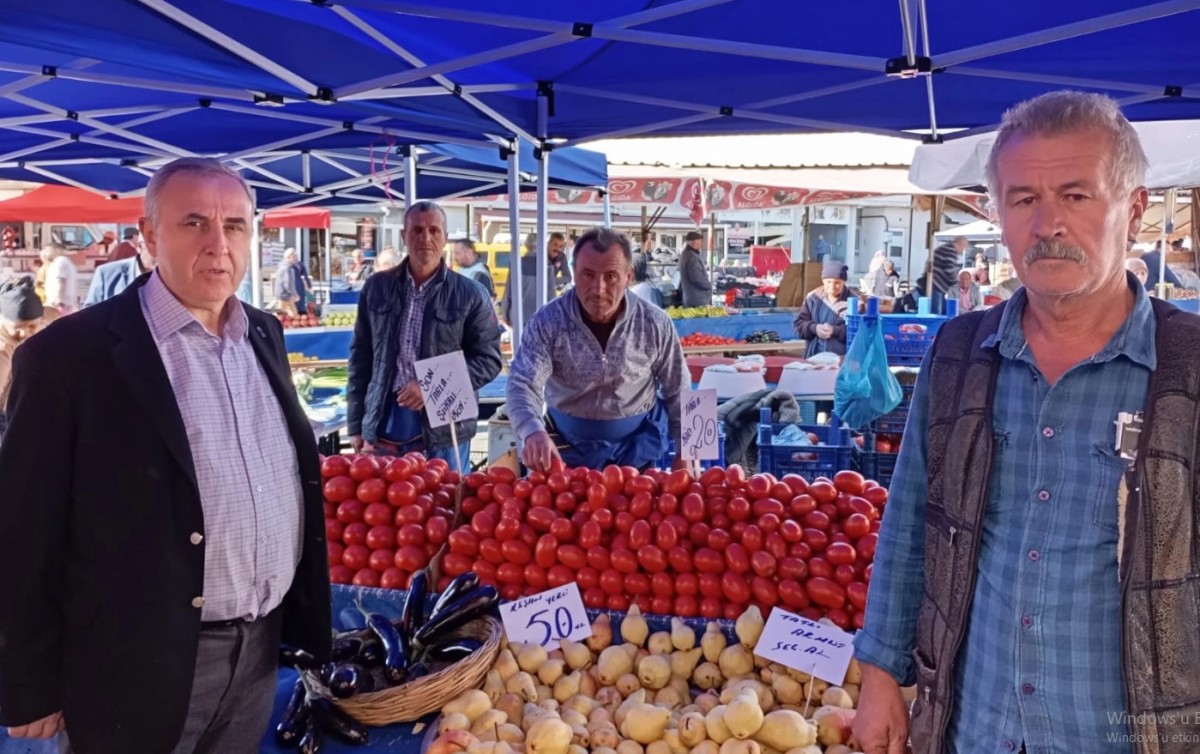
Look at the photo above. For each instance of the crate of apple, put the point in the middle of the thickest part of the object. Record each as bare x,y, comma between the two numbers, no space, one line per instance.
707,547
385,518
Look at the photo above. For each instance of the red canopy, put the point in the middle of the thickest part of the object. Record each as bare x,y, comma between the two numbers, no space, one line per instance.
66,204
297,217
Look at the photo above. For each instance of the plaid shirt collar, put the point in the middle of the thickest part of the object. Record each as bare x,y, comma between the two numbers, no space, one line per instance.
434,280
167,315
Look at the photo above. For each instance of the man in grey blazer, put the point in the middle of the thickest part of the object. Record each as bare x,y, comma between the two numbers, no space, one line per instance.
114,277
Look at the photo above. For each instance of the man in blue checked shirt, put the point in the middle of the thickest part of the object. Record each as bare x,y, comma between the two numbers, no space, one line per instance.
1041,588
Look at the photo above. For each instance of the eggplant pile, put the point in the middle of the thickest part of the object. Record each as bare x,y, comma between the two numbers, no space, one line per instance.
383,655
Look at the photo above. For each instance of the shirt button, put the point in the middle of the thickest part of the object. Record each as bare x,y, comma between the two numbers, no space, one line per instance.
1047,432
1027,689
1026,621
1034,555
1010,745
258,488
196,538
198,602
1043,495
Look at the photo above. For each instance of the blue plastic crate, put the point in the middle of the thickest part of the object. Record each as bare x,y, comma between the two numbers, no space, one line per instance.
893,422
669,457
873,465
903,349
809,461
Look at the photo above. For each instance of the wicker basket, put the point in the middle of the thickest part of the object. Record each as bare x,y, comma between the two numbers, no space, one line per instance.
415,699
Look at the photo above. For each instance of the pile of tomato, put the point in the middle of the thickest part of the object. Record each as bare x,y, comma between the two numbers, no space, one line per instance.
702,339
677,546
385,518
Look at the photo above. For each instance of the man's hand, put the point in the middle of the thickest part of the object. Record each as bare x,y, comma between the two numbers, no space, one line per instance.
47,727
539,452
410,397
824,332
357,444
881,725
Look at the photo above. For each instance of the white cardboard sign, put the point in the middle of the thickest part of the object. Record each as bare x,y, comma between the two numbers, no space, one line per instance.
698,426
446,388
546,617
801,644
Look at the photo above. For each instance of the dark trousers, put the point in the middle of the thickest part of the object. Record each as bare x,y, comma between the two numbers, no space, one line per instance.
233,689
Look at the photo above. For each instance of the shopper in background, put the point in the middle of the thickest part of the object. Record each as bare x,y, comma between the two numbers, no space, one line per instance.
947,261
473,266
558,279
161,522
286,295
386,260
360,267
21,315
128,248
114,277
416,311
643,286
967,293
1153,260
822,318
891,285
62,280
695,289
301,281
1138,268
875,282
981,275
598,359
1036,584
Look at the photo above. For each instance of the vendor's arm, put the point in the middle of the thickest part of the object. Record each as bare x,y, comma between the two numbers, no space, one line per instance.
36,466
481,340
898,579
362,358
673,380
527,376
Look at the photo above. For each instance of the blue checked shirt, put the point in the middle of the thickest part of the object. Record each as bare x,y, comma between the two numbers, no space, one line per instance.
409,349
1041,661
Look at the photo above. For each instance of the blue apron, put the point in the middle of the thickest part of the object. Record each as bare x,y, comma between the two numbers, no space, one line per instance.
404,429
640,440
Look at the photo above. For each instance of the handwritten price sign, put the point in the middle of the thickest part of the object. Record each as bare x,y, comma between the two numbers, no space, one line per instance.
698,426
546,617
801,644
446,388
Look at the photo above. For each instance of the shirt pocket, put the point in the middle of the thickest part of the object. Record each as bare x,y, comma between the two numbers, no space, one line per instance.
1104,474
446,333
1003,496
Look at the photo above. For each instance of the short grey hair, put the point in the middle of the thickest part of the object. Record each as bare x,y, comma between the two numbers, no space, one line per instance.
425,206
602,239
1070,112
194,166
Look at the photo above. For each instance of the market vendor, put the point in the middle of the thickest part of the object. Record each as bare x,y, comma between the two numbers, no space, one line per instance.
606,364
20,317
417,310
822,319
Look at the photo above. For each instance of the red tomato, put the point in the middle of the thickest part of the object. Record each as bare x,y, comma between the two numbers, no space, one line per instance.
606,519
381,560
364,467
372,491
738,509
763,564
620,603
485,571
587,577
455,565
393,578
471,506
800,550
483,524
687,584
677,482
758,487
612,479
767,506
736,557
679,559
844,574
856,593
840,553
563,530
545,552
856,526
541,519
830,510
821,567
719,539
558,575
764,591
735,477
624,561
735,588
523,489
710,607
350,511
825,593
356,557
598,557
708,561
612,581
661,605
652,559
335,466
793,569
590,535
692,508
876,496
637,584
850,482
816,520
334,530
793,595
639,535
712,476
380,537
500,474
411,558
355,533
624,522
661,584
489,550
535,576
334,551
572,556
463,542
510,573
516,551
802,505
823,492
366,577
437,529
666,536
769,523
566,502
595,599
866,547
377,514
541,497
558,482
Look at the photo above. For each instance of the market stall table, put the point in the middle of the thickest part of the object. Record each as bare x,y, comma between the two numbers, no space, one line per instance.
326,343
741,325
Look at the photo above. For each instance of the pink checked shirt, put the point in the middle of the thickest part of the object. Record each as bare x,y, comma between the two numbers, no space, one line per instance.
245,461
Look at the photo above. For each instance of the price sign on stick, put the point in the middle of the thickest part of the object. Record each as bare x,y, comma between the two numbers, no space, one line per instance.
698,426
446,388
801,644
544,618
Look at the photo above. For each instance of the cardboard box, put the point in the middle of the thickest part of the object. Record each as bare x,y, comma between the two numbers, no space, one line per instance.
799,279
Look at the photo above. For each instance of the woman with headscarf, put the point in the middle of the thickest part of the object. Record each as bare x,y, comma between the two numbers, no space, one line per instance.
642,285
891,279
874,283
969,297
21,315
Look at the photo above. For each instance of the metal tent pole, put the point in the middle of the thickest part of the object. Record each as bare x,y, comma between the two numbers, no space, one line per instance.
607,208
1168,227
543,176
329,264
410,177
256,297
516,293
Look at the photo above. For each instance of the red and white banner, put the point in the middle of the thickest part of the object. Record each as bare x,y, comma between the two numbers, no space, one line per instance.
697,195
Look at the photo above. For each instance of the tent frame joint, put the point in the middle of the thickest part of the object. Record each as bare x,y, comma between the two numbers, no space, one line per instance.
324,96
50,71
726,111
922,65
582,29
268,100
1172,91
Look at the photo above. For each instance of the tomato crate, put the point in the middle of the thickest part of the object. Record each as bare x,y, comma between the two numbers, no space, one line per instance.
904,348
809,461
873,465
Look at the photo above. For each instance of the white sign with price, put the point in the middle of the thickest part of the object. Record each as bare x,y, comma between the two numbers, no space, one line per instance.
698,426
446,388
544,618
801,644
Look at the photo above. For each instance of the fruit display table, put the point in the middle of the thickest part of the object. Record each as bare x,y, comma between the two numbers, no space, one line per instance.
321,342
741,325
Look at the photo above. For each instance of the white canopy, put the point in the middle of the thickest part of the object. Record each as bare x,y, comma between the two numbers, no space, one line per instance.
1172,147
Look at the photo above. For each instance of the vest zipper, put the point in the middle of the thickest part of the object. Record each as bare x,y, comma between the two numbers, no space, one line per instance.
953,531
